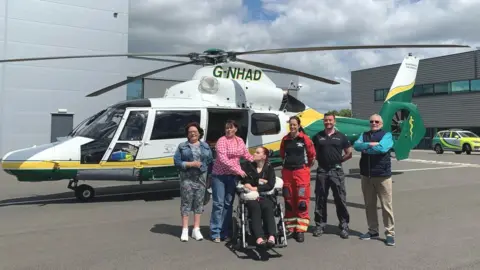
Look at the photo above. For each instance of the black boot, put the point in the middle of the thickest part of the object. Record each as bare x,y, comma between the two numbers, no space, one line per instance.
344,233
318,231
300,237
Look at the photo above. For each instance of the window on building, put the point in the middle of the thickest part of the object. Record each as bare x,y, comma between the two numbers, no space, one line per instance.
417,90
441,88
265,124
135,89
475,85
423,90
460,86
171,124
381,94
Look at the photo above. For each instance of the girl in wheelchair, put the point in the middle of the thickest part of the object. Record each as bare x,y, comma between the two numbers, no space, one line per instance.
260,179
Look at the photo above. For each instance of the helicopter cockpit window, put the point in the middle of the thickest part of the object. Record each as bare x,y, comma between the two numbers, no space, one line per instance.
103,126
171,124
135,126
85,123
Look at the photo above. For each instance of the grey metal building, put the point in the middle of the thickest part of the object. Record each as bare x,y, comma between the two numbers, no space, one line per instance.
447,92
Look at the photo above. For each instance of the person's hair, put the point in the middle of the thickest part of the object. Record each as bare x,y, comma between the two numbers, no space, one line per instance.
300,128
196,125
377,116
266,152
329,114
231,123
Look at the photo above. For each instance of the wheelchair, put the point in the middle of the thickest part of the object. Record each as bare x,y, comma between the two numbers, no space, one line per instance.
242,237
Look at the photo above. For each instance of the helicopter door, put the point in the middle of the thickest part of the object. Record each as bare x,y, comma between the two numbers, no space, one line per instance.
122,153
266,129
166,132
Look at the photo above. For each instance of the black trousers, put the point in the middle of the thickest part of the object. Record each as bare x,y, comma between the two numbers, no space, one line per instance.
331,179
259,211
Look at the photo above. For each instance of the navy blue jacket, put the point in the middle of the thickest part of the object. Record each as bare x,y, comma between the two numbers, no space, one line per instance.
184,154
375,161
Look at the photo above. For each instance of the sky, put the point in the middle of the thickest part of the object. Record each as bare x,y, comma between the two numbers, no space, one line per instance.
184,26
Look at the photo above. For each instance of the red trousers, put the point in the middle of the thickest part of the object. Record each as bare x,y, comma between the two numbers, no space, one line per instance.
296,193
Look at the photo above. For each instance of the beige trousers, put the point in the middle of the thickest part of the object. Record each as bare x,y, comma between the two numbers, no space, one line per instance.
380,187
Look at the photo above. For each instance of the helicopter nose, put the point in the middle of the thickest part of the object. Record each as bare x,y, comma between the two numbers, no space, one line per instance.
4,162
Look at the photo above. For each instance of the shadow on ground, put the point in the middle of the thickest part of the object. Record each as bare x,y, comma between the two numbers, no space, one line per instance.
147,192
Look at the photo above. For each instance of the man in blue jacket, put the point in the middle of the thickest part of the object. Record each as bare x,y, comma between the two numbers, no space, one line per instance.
376,174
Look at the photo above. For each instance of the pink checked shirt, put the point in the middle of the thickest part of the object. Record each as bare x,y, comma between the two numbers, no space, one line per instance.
229,151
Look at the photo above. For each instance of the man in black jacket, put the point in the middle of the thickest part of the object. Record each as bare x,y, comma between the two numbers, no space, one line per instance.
376,173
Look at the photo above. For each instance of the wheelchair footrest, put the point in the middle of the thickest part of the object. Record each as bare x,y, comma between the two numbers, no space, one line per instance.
251,247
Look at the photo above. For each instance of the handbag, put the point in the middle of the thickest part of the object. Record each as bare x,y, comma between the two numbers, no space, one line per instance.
208,190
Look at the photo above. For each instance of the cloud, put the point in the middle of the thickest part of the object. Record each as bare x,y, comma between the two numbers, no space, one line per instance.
195,25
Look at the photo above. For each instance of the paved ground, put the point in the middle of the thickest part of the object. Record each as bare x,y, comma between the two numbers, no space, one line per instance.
435,203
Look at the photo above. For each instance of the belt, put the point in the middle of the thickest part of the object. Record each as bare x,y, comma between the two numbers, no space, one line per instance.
330,166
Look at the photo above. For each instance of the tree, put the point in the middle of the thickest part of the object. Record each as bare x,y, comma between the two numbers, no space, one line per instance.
342,112
345,113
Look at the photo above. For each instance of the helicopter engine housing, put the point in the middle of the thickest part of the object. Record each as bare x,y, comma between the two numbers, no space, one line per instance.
229,93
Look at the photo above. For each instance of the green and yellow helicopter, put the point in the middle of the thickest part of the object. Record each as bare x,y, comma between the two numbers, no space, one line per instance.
135,140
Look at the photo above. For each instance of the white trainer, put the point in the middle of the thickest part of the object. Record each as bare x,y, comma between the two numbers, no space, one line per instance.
184,237
196,234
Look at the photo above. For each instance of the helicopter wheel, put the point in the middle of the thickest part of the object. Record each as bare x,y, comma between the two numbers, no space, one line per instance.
84,193
397,121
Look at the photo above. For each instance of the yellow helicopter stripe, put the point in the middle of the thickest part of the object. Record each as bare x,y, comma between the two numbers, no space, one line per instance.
307,117
72,165
399,89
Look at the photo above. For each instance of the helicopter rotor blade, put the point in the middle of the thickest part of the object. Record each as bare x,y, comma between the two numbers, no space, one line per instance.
355,47
131,79
288,71
91,56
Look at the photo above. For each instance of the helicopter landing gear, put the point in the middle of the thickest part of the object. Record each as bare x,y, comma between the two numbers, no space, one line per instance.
83,192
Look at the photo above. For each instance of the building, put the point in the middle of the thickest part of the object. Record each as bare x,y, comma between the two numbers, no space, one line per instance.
447,92
43,100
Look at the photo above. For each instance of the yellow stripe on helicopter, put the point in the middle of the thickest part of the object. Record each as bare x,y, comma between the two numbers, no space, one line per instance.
307,117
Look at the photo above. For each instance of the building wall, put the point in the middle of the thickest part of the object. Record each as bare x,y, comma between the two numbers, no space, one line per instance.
445,108
30,91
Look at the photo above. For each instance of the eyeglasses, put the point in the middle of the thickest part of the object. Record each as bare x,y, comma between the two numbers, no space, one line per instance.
374,121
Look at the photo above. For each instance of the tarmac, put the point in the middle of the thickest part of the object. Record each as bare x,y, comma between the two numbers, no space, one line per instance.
435,205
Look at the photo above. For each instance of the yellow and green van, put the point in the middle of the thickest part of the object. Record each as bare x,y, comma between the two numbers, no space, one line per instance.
456,140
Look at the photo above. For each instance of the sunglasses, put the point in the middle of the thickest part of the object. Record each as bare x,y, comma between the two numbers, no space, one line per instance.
374,121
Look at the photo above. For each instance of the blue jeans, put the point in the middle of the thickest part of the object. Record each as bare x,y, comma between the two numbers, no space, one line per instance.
223,195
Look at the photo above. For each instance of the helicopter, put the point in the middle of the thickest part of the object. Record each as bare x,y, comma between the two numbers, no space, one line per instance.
135,140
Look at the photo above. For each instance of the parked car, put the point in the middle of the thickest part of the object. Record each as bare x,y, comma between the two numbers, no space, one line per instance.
456,140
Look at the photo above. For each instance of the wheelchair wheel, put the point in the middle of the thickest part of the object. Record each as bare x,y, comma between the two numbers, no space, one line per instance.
236,237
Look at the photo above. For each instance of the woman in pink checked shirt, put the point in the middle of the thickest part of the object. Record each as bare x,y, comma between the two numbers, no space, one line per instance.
226,169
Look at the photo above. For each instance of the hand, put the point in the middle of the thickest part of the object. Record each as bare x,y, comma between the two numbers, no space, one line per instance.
372,144
196,164
243,174
262,181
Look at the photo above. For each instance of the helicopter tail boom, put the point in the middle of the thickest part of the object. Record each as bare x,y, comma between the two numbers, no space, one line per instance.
400,116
